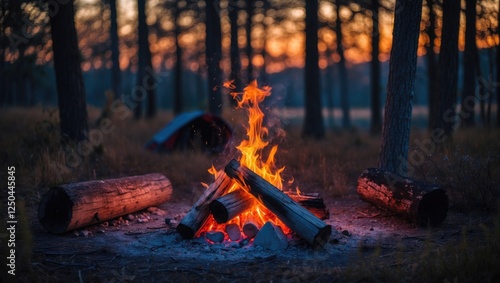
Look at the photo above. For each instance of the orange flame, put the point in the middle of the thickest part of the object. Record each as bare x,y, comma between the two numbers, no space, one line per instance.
252,149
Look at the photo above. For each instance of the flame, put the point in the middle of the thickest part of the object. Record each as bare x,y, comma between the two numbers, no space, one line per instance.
253,149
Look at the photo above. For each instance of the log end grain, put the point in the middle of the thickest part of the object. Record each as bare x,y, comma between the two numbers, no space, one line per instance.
55,210
219,212
433,208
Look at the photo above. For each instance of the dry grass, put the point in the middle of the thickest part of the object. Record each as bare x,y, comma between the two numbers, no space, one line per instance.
331,166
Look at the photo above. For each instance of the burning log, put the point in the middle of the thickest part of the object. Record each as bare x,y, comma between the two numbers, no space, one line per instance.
72,206
312,202
297,218
424,204
234,203
199,213
230,205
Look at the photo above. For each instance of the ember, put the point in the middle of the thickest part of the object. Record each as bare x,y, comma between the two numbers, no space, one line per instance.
231,203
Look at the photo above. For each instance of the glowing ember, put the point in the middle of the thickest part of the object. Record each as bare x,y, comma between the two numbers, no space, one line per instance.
252,150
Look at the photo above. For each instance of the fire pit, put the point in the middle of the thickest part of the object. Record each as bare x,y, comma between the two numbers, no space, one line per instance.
247,198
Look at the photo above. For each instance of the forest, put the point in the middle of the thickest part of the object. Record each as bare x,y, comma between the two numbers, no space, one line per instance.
334,100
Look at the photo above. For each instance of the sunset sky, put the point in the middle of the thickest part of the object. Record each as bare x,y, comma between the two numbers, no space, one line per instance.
284,41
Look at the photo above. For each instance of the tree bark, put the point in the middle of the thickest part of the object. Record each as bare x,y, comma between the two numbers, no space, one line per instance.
344,87
297,218
448,67
424,204
432,73
376,116
313,123
235,50
116,81
70,87
199,213
213,56
400,87
146,81
469,89
249,50
72,206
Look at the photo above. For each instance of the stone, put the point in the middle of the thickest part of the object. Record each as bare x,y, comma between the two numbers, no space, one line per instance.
233,231
130,217
215,236
346,233
271,237
160,212
152,209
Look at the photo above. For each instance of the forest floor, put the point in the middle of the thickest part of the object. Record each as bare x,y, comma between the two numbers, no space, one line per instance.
367,244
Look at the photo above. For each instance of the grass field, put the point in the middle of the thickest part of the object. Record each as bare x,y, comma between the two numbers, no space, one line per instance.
470,170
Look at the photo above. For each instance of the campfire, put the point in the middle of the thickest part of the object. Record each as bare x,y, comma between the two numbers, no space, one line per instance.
249,194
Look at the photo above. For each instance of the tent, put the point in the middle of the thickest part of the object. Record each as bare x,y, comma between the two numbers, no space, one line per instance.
196,130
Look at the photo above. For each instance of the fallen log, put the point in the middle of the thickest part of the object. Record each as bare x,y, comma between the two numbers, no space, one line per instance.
230,205
72,206
297,218
199,212
424,204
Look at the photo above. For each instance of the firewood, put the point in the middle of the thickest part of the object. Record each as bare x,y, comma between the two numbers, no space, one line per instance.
230,205
424,204
199,212
312,202
297,218
250,228
71,206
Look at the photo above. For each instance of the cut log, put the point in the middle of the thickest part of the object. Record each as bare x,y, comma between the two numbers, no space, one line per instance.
312,202
230,205
250,228
199,213
72,206
234,203
297,218
424,204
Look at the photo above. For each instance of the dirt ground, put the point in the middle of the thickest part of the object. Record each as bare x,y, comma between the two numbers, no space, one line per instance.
153,251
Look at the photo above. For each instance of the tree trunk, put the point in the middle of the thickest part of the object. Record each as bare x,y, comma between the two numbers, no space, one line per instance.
116,81
213,56
178,64
145,74
376,116
249,50
400,87
344,87
235,50
329,81
297,218
313,123
72,206
70,87
448,67
498,71
432,73
199,212
468,94
424,204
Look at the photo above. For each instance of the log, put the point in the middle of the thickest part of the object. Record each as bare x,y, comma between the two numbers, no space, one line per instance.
234,203
312,202
297,218
230,205
71,206
196,217
423,204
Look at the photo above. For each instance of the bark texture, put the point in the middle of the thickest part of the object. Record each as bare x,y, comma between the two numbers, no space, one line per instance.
72,206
